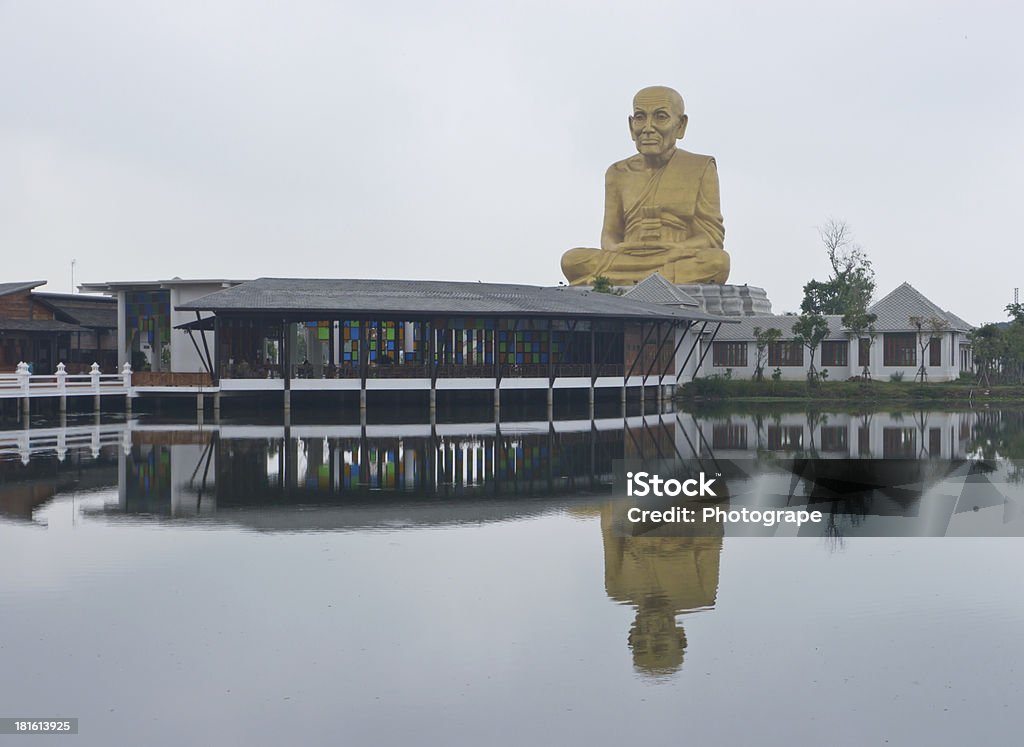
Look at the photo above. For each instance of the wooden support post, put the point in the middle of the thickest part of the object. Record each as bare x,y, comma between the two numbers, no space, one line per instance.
590,399
551,402
96,401
286,361
497,403
26,410
433,405
362,404
216,407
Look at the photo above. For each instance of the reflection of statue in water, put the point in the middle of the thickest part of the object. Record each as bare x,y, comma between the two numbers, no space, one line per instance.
662,576
661,210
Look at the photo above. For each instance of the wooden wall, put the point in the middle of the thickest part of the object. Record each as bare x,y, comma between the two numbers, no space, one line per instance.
21,305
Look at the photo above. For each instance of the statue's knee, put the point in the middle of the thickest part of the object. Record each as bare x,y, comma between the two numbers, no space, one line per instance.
577,263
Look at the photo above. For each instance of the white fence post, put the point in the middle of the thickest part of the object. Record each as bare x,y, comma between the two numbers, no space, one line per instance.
24,381
23,377
126,375
94,376
61,377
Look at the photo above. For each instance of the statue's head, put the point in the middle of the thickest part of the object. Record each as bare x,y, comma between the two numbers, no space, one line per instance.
657,641
658,120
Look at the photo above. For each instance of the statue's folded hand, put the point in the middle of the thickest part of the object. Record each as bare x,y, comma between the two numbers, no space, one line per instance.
670,251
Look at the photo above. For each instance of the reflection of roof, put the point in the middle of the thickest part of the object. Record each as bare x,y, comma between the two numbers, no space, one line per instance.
89,311
656,289
388,515
6,288
419,297
37,325
895,310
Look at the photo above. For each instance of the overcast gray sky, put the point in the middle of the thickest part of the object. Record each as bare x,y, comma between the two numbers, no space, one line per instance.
469,140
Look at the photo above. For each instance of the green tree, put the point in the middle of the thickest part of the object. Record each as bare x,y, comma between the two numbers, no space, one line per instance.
809,330
928,328
851,285
987,347
860,325
762,339
602,284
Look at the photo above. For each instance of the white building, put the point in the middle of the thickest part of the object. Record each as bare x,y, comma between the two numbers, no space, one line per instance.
909,331
147,322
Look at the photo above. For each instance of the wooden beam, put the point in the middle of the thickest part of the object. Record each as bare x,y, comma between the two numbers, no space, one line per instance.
704,353
693,347
209,358
643,346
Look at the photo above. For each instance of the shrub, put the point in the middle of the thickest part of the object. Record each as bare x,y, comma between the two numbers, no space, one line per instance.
896,376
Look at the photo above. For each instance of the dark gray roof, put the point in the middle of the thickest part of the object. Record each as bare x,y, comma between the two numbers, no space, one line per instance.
655,288
94,312
37,325
6,288
895,310
113,287
782,322
419,297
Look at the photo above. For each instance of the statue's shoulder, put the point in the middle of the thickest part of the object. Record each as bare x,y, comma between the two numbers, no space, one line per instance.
694,160
684,159
626,165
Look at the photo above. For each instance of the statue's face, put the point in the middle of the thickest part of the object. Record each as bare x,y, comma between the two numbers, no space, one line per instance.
657,122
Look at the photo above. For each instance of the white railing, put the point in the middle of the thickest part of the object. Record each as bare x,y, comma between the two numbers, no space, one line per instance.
21,383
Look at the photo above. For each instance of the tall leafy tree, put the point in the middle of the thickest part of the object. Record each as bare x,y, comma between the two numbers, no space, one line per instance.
987,348
928,327
809,330
849,288
762,339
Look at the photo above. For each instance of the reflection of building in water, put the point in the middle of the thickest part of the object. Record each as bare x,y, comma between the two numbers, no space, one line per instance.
910,435
192,472
662,577
169,472
27,484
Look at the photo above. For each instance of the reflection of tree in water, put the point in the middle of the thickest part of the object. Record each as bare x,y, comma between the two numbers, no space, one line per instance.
662,577
1000,433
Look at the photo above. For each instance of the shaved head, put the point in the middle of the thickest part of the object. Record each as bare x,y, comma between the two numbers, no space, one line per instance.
657,94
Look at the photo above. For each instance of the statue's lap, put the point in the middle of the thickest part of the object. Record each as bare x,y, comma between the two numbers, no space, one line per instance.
582,266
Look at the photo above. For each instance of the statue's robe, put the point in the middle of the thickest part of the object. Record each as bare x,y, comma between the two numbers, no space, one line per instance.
649,214
663,576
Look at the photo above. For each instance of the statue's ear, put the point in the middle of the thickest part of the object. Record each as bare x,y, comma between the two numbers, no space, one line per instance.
682,127
632,134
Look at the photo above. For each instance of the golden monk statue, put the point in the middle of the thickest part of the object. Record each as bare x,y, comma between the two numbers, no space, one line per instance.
661,208
663,577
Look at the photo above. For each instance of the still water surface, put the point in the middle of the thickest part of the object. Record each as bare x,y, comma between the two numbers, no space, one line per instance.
239,584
